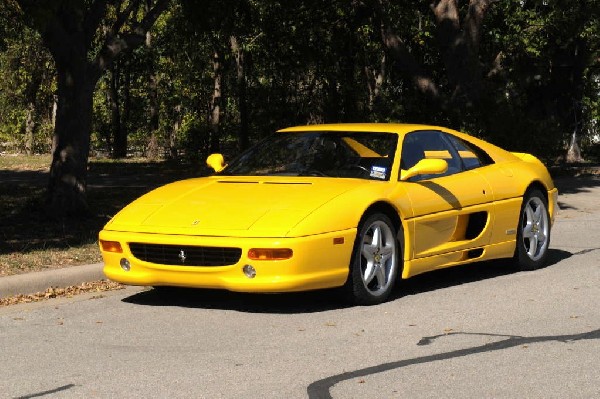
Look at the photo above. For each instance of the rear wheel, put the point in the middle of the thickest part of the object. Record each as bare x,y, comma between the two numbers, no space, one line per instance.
375,261
533,234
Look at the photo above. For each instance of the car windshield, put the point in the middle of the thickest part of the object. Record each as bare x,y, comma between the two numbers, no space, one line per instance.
363,155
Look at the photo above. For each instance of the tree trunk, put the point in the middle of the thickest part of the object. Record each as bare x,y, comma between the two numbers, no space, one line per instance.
348,61
119,146
70,30
375,78
214,117
574,152
123,143
54,110
566,92
459,47
174,131
71,142
29,128
405,62
238,52
153,149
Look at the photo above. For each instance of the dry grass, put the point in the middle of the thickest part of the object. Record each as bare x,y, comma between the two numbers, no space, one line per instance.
42,259
18,162
30,241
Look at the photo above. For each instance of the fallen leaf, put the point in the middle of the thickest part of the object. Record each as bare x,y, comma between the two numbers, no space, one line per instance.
100,285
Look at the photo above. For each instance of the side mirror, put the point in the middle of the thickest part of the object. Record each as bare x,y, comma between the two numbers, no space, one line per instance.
216,161
425,167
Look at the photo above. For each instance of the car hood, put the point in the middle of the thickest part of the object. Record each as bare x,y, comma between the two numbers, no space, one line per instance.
231,206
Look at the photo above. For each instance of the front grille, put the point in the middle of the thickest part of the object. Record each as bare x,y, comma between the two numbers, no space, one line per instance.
185,255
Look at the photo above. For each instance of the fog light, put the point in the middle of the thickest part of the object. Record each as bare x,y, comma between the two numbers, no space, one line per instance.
125,265
249,271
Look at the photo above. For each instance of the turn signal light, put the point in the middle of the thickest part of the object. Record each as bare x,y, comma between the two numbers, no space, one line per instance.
270,253
111,246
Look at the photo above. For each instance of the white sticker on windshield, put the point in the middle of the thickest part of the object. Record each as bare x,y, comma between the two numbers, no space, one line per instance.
378,172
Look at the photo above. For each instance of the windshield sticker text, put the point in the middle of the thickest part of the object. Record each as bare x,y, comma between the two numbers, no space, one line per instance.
378,172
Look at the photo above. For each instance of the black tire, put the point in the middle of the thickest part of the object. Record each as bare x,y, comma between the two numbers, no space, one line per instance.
533,232
375,261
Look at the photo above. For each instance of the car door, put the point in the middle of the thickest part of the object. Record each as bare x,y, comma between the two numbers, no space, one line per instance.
451,212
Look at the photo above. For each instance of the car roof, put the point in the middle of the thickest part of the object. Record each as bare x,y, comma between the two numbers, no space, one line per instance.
401,128
497,153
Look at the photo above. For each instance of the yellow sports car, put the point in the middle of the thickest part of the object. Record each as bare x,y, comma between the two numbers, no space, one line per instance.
347,205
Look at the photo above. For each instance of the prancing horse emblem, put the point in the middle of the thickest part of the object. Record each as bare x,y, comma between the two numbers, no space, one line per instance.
182,256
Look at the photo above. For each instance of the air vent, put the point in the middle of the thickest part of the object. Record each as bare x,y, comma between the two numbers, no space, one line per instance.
475,253
477,222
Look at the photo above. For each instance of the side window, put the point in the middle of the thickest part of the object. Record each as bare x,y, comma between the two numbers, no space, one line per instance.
432,145
471,156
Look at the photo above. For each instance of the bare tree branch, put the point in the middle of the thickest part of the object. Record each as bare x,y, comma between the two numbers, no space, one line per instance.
473,21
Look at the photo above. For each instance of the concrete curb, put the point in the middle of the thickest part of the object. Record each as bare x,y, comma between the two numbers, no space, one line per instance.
30,283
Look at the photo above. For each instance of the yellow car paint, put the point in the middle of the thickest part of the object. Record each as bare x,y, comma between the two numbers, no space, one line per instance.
308,269
425,166
360,149
318,218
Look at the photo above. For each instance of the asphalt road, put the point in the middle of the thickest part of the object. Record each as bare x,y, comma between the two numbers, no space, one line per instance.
470,332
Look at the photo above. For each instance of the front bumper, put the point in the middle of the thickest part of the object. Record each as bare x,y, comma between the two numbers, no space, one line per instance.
317,262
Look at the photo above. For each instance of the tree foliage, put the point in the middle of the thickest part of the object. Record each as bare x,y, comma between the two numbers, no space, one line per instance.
195,76
84,39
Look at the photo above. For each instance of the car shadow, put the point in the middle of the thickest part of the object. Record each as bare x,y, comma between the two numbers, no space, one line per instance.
284,303
467,274
323,300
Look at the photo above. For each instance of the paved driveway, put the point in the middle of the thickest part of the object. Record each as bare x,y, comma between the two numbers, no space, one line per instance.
471,332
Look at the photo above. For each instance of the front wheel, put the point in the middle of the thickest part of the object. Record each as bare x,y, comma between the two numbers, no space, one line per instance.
375,261
533,234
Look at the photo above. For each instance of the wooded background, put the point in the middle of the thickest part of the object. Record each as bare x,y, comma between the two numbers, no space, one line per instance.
184,78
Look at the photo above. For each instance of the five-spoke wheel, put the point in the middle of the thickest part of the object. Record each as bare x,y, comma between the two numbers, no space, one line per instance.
375,261
533,235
